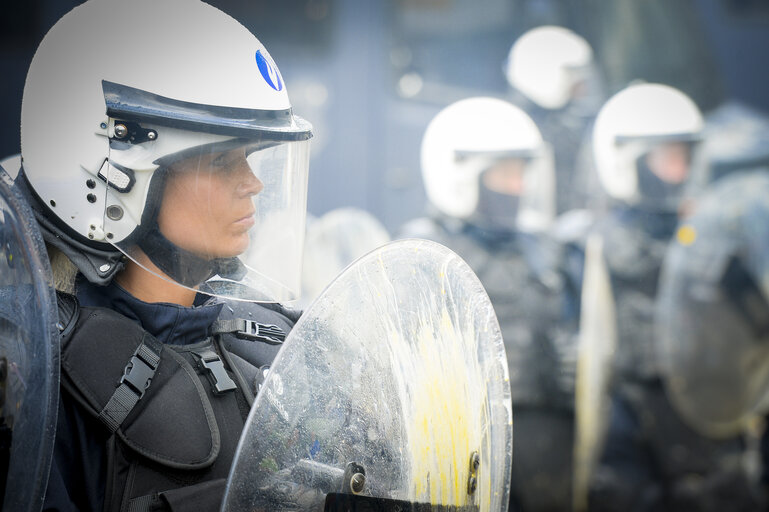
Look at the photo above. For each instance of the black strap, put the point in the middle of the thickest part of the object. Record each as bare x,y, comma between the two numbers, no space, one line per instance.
69,310
250,330
148,503
136,379
207,495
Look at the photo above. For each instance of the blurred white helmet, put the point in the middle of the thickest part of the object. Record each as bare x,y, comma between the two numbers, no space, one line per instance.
634,124
547,63
117,94
475,135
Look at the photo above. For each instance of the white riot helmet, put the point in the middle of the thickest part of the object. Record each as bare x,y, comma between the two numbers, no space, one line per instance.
634,124
123,103
547,63
474,136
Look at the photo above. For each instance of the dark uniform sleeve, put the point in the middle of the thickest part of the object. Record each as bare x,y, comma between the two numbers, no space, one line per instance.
78,468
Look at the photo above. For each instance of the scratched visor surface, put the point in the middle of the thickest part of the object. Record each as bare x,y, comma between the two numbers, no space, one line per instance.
399,367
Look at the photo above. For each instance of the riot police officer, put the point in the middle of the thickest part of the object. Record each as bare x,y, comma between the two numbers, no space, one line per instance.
643,143
166,168
553,76
489,180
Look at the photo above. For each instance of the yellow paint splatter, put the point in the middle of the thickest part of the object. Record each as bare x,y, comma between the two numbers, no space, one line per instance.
686,235
445,417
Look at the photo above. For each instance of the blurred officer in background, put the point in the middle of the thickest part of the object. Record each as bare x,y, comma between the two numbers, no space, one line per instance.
643,143
554,78
489,179
168,172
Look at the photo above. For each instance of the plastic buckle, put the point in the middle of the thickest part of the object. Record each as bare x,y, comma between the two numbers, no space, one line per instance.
254,331
138,375
215,366
249,331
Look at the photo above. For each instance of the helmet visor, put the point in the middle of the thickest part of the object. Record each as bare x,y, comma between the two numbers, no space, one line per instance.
225,217
516,188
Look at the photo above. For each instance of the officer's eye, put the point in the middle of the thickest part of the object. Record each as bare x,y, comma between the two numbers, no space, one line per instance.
222,160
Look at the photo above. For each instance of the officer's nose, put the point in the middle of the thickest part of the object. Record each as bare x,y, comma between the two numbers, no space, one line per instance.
248,184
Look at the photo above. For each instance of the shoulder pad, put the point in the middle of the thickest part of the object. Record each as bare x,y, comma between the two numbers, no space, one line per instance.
255,352
94,361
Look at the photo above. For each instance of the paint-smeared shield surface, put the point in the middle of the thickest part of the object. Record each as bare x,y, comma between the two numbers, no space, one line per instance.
391,392
597,342
712,317
29,356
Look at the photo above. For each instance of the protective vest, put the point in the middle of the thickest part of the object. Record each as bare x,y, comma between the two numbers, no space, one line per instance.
174,412
634,258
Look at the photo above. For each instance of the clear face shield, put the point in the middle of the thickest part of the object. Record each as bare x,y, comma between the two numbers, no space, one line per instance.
663,174
224,216
663,166
515,189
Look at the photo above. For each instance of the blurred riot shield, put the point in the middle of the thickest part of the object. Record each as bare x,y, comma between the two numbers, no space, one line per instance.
333,241
712,317
29,356
597,341
11,164
391,393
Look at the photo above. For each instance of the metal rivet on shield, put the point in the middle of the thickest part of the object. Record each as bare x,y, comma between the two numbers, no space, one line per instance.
472,485
472,481
121,131
357,482
114,212
104,268
152,135
475,462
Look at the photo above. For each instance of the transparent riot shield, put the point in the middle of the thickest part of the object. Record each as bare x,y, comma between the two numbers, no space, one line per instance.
29,356
390,393
597,341
712,317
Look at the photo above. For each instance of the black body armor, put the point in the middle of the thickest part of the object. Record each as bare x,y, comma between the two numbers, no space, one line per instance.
172,414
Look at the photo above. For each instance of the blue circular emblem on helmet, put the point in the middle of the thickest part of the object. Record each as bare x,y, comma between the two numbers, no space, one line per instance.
269,71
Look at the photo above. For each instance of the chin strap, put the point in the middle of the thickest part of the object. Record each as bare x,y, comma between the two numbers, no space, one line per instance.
183,266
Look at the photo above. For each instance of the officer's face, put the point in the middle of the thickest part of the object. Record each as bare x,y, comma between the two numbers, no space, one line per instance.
505,177
670,162
207,206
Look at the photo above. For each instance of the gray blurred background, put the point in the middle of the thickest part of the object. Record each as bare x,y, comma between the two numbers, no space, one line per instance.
370,74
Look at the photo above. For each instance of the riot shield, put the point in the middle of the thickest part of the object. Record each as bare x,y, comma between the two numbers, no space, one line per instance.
390,393
29,356
597,341
712,317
